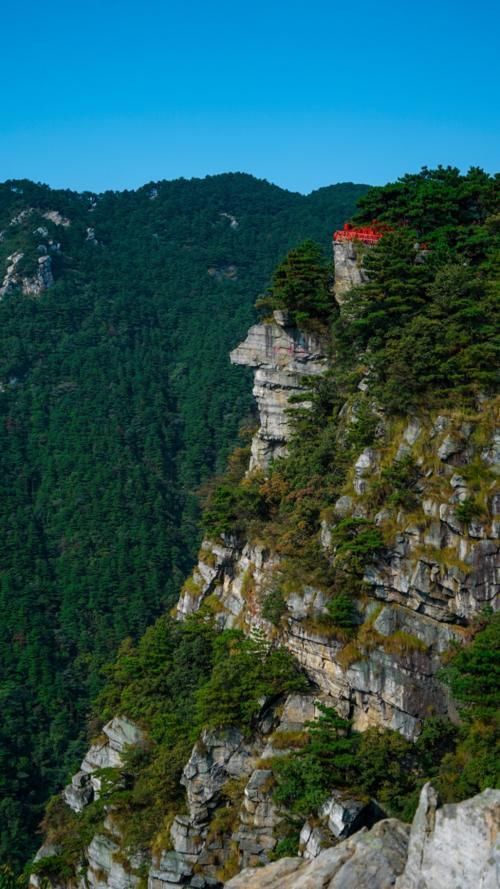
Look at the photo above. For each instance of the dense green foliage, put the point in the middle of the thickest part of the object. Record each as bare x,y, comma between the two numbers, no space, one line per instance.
301,286
427,322
474,679
246,672
116,401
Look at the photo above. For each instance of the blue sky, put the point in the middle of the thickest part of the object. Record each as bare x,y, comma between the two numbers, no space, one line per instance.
112,94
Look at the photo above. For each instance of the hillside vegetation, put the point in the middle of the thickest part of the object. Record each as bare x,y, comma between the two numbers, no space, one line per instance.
116,402
420,337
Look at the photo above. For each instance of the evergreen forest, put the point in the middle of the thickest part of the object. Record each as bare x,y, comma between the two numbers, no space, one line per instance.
117,403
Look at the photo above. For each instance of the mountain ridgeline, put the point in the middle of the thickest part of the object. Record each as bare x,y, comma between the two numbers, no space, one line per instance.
117,314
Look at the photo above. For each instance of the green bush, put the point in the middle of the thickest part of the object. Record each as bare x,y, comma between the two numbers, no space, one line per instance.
232,505
399,482
246,671
342,610
274,606
356,542
328,761
301,286
474,673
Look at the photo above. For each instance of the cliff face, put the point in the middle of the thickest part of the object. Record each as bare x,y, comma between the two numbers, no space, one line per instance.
282,356
437,570
436,573
453,847
348,269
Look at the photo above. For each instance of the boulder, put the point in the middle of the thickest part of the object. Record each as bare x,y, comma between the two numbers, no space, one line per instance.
364,466
313,840
344,815
106,753
80,792
369,860
456,846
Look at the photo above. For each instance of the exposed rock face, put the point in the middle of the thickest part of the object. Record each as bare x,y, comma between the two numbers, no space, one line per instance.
456,846
215,758
343,815
105,868
313,839
435,576
41,280
200,848
388,688
348,269
85,784
30,285
282,356
368,860
453,847
11,277
213,560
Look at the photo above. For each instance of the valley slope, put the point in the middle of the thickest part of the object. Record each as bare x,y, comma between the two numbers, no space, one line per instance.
117,313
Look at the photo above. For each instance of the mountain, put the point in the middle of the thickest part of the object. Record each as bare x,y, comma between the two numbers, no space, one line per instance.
337,646
117,314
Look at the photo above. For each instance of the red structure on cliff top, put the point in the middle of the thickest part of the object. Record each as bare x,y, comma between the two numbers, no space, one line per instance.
367,234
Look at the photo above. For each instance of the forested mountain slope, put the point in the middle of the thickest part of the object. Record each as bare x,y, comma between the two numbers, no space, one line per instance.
117,313
336,647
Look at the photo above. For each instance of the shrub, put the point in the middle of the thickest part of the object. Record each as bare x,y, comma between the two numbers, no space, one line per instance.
474,673
246,671
274,606
327,761
399,482
356,542
342,611
467,510
232,505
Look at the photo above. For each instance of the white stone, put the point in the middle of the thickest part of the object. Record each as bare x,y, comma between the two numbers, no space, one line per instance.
456,846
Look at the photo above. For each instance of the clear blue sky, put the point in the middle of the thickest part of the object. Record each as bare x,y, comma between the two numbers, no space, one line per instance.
115,93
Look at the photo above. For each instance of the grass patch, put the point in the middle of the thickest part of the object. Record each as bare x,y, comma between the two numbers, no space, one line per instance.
401,644
289,740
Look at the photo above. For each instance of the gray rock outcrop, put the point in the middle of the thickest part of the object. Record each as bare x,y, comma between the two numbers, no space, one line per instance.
105,753
348,268
32,285
452,847
456,846
282,357
200,848
368,860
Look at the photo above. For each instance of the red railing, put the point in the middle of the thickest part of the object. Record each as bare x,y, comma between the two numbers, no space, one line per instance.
369,234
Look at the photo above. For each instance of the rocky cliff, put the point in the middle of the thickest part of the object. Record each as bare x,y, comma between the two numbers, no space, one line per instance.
282,357
455,846
348,267
435,572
